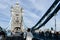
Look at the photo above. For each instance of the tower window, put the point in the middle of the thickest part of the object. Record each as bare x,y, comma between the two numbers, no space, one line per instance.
17,21
17,14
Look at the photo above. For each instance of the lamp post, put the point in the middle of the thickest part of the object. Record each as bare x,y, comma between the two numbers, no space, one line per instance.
55,22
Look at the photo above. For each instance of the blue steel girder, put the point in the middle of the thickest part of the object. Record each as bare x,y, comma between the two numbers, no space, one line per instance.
49,17
46,14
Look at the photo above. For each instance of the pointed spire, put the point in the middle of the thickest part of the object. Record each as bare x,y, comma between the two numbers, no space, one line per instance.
17,3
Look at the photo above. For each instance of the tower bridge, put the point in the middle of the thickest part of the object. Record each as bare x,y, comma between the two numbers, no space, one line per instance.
18,28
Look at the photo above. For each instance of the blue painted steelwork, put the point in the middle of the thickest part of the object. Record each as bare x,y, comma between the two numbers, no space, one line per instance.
46,14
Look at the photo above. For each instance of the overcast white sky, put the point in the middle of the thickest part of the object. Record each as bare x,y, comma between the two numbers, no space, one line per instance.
33,11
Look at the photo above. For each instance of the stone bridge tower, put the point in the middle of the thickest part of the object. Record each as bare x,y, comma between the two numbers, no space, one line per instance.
16,18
